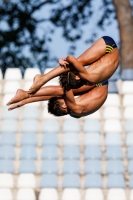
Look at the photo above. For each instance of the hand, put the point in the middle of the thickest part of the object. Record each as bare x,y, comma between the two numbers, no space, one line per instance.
63,62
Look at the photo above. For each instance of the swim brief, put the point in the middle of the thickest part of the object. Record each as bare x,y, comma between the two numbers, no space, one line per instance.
101,84
110,44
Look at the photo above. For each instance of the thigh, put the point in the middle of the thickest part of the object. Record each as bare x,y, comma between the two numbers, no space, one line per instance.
94,99
92,54
104,68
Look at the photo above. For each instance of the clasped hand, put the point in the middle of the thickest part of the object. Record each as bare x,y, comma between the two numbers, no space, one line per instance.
63,62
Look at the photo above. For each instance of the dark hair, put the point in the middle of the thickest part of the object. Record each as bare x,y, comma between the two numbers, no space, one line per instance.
68,79
54,107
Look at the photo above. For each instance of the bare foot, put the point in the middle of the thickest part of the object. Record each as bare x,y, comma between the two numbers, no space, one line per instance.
16,105
20,95
38,82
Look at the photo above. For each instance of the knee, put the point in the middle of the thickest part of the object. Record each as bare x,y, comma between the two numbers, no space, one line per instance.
92,80
82,62
70,58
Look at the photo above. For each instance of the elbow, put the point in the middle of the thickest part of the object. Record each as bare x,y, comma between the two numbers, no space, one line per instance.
91,79
77,111
69,58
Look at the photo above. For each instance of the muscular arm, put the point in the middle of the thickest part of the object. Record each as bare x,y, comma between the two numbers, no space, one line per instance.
77,65
71,103
82,90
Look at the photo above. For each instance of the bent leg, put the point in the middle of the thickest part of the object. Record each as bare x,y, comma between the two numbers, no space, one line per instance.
28,100
20,95
44,91
41,79
104,68
96,51
92,54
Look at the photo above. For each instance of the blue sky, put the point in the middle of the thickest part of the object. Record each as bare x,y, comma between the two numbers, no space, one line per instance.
59,46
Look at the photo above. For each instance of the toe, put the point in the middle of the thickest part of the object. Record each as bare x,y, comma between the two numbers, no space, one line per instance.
9,103
29,92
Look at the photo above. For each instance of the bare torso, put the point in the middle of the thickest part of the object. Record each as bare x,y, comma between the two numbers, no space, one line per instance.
91,101
103,68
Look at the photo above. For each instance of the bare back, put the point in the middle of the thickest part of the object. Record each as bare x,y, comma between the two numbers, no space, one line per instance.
91,101
102,58
103,69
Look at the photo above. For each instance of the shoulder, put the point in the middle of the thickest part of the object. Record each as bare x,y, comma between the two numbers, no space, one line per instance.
75,115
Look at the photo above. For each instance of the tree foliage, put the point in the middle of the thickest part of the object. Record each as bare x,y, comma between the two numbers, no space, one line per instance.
19,34
21,46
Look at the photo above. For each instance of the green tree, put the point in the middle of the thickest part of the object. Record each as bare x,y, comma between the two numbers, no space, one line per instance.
18,30
22,47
